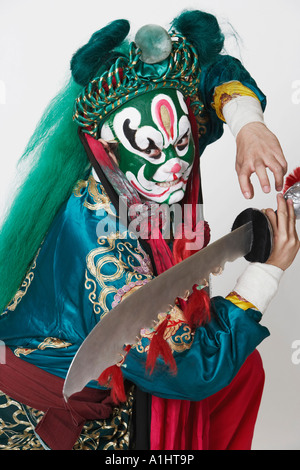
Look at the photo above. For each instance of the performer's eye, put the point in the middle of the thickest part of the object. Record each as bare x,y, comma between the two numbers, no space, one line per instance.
183,142
153,151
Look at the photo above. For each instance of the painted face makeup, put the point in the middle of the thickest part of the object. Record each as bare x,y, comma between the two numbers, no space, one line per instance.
155,145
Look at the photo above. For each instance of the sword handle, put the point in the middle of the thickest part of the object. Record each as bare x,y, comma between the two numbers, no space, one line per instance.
262,234
262,229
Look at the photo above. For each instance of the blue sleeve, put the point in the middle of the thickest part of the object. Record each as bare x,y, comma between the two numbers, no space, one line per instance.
214,357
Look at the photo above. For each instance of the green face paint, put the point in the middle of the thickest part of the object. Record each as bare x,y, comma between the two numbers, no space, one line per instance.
155,145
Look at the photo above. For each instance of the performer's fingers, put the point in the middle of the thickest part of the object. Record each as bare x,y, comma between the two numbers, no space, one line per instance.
280,158
278,171
282,215
292,219
261,172
272,218
246,185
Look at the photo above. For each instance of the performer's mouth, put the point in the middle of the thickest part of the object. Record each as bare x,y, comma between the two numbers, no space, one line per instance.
169,184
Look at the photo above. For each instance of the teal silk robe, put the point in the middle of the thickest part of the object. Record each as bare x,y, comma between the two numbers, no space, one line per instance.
78,277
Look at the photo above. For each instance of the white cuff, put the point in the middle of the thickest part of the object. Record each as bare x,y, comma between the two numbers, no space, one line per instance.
258,284
241,111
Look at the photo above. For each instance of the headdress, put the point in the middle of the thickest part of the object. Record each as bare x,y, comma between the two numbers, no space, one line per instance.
130,77
157,59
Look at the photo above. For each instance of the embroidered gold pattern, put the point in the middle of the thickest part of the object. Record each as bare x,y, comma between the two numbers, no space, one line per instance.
16,429
54,343
177,324
105,267
114,431
24,287
202,118
23,351
81,184
100,200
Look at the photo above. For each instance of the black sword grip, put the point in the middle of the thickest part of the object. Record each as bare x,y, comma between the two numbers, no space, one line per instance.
262,234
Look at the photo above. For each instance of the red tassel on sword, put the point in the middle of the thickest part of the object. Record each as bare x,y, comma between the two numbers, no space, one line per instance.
160,347
112,377
197,311
292,179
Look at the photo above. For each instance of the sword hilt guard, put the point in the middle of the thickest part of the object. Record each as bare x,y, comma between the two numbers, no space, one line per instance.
262,234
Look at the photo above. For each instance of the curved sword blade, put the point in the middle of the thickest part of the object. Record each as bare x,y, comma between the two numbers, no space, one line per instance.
104,345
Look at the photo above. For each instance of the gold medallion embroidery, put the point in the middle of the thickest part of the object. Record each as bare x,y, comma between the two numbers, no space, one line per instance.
106,268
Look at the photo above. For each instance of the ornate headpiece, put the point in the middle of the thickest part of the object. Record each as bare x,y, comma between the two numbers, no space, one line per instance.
156,60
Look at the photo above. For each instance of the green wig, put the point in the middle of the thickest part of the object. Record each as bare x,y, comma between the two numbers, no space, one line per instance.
55,159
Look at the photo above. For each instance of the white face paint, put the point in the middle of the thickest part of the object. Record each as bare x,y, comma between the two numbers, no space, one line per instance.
156,148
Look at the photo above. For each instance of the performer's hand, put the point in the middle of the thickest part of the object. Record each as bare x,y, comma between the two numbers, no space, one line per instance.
257,149
285,239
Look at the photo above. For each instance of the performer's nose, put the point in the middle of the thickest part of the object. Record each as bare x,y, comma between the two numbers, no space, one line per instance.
176,168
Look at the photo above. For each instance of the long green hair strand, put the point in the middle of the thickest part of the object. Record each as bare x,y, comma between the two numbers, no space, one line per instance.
53,161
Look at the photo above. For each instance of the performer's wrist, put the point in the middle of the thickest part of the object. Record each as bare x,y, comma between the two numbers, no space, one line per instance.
259,284
241,111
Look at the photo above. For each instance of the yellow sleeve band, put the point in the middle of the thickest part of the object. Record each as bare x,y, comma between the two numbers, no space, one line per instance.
226,92
239,301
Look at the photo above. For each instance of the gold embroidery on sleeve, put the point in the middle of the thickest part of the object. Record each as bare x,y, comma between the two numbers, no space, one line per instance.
178,342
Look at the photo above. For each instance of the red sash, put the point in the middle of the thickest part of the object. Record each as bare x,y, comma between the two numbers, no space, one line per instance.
62,423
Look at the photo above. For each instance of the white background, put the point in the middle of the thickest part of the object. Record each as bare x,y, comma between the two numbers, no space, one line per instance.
37,40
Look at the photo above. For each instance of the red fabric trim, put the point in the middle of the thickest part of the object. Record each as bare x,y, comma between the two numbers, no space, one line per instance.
62,423
224,421
178,424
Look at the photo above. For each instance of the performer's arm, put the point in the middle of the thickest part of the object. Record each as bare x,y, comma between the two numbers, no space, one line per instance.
208,360
237,101
285,249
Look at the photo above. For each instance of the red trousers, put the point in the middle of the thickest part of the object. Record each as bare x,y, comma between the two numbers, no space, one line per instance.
224,421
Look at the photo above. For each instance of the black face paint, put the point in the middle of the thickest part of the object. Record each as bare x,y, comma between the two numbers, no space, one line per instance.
130,135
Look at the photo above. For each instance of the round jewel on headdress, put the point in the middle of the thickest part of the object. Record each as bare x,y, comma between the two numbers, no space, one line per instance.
154,42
